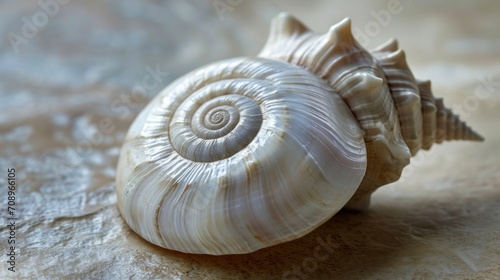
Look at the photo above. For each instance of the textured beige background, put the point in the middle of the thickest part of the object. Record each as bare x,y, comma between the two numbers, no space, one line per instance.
441,221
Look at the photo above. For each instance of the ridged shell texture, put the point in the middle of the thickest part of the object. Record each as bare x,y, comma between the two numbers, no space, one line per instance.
251,152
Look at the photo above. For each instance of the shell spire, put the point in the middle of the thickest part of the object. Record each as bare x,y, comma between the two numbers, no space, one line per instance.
450,126
380,90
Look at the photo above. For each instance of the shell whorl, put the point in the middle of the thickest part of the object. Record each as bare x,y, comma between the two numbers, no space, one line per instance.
398,114
213,125
237,156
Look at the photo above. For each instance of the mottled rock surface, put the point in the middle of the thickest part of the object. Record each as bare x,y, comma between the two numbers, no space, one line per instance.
71,86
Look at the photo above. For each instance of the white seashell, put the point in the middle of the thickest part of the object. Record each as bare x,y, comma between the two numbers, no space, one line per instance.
247,153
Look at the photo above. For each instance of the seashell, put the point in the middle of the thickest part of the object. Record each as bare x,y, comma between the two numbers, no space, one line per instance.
246,153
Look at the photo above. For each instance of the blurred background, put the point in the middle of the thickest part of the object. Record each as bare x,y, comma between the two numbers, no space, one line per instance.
74,74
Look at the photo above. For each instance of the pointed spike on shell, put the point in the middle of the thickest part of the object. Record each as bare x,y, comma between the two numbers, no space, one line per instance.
287,25
390,46
371,81
466,133
474,136
397,58
477,137
425,84
341,31
425,89
284,27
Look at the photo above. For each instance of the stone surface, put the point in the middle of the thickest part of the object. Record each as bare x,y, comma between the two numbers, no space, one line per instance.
70,88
